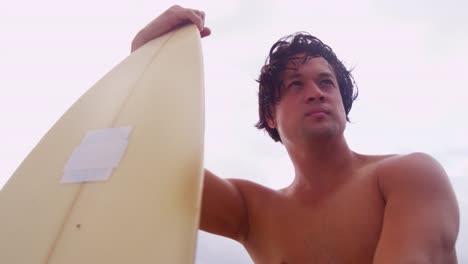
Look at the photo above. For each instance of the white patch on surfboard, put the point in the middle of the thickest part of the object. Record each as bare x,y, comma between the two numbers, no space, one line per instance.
98,154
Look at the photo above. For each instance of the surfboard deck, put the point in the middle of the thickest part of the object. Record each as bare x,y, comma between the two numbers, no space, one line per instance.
148,210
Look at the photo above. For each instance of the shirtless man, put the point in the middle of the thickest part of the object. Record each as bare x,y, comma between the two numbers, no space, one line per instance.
342,207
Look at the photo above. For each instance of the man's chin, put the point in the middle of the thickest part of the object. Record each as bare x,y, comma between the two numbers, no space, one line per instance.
321,132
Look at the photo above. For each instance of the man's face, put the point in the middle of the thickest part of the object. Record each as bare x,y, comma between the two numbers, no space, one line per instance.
310,106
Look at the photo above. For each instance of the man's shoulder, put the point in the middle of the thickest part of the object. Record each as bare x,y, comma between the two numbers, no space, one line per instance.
418,197
247,187
390,161
256,196
412,163
413,170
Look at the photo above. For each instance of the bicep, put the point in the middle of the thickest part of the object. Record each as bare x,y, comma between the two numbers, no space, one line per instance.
421,214
224,211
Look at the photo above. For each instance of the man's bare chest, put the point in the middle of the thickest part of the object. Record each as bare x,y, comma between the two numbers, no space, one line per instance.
344,229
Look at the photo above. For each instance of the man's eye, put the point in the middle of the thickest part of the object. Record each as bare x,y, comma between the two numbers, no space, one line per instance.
327,82
295,83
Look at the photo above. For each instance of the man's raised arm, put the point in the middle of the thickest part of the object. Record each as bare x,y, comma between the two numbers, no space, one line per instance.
224,208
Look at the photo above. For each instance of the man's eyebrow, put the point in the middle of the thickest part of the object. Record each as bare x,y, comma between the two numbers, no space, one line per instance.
326,75
297,75
293,75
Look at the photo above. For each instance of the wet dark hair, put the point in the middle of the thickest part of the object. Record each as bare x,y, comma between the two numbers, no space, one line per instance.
281,53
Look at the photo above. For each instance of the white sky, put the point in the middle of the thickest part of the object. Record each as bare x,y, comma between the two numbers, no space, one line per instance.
410,64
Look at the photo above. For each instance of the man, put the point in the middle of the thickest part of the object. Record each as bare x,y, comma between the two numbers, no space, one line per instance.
342,207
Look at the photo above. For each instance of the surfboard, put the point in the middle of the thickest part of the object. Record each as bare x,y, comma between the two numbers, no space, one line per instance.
147,209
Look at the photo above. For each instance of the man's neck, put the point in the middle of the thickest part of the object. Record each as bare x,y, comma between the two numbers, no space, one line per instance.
320,166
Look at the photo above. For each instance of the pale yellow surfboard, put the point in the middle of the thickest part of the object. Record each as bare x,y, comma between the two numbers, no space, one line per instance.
148,210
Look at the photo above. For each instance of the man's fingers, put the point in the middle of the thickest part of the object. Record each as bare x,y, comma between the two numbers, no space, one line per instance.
205,32
174,17
197,17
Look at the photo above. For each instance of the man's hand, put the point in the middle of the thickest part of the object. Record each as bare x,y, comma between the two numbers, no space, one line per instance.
175,17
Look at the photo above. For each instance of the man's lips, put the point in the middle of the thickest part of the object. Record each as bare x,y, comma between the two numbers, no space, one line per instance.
316,111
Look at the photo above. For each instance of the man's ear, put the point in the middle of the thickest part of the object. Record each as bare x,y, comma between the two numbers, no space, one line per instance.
271,121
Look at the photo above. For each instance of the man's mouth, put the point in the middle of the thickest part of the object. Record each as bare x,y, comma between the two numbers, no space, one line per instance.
316,112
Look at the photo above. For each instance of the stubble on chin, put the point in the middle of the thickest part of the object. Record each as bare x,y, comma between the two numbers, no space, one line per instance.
321,132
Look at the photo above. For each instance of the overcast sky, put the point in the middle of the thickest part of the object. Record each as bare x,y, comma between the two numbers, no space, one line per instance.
409,60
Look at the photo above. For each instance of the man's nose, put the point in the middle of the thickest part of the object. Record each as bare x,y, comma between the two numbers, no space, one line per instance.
313,93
